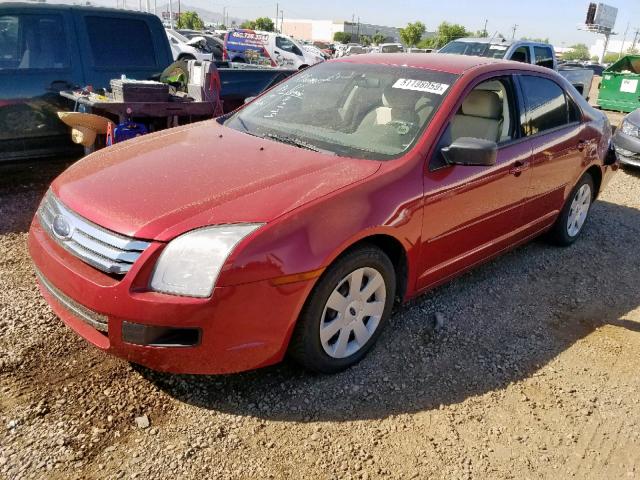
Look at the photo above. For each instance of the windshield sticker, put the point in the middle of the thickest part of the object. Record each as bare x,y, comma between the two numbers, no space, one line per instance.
421,86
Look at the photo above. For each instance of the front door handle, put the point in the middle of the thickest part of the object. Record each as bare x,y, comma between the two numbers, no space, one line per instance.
518,167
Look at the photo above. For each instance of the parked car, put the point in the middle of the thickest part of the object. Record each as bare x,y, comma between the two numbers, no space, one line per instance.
390,48
596,68
46,48
627,139
188,49
212,44
275,49
535,53
297,222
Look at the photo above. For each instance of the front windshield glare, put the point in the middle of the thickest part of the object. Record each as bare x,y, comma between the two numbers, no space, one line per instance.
478,49
362,111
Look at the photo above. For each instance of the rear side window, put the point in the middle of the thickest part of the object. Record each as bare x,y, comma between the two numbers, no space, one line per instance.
120,42
31,42
547,106
544,56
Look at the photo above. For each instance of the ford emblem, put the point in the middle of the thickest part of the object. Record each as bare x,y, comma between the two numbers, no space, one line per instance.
61,228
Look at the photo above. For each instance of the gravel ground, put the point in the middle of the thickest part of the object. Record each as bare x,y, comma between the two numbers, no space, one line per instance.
531,373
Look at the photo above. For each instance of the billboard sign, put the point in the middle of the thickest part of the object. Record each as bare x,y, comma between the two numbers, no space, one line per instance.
605,16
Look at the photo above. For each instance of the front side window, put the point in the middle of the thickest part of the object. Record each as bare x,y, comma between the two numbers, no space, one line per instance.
521,54
287,45
120,42
32,42
547,106
362,111
544,56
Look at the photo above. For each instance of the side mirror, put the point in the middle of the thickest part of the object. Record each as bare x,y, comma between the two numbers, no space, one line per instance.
249,99
471,151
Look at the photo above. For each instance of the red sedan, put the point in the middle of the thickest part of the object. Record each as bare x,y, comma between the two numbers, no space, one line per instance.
294,224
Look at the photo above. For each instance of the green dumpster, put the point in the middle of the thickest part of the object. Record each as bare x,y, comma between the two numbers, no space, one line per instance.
620,87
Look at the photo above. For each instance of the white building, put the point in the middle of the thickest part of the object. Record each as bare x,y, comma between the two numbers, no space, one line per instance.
323,30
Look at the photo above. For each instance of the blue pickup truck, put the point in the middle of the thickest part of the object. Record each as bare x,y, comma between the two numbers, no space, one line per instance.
47,48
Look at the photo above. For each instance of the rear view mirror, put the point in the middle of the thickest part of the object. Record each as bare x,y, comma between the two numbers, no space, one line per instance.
471,151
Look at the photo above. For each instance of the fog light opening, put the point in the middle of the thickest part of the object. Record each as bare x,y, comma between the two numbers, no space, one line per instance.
168,337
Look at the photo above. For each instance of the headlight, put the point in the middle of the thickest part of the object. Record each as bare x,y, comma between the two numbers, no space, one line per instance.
630,129
190,264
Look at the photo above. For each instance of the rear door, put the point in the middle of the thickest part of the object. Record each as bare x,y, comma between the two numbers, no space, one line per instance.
121,43
473,212
38,58
553,124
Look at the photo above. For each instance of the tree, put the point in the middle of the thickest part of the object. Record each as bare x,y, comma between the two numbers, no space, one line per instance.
538,39
481,34
378,38
342,37
190,21
447,32
412,33
611,57
265,24
365,40
579,51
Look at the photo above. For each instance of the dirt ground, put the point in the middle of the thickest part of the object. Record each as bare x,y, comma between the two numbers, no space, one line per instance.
533,374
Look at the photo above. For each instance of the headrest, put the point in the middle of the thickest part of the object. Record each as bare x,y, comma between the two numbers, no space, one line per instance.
399,98
483,103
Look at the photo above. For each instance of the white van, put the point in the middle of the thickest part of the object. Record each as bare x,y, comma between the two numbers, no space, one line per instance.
267,48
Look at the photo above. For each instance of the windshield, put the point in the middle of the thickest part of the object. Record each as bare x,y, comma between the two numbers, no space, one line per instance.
362,111
479,49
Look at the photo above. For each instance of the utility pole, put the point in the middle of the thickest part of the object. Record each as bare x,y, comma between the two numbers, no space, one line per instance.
513,34
484,31
281,20
277,15
635,38
358,29
624,39
170,14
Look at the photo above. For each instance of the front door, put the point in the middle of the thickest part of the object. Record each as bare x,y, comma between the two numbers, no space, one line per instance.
37,60
472,212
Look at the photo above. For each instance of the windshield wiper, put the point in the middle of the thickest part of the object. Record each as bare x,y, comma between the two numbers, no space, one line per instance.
297,143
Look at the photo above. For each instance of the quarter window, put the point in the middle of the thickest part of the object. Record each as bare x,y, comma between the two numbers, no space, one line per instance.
120,42
29,42
547,106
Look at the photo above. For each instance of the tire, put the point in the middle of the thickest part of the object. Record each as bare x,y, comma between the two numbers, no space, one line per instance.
570,224
325,353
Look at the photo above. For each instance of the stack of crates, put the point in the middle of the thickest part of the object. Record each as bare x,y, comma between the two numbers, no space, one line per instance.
620,87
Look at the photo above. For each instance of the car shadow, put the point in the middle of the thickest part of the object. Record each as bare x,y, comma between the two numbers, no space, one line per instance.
502,322
22,185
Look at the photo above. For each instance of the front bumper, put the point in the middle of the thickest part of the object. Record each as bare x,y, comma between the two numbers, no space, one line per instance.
627,148
240,327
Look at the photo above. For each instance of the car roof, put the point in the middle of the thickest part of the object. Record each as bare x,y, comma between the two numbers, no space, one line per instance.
52,6
442,62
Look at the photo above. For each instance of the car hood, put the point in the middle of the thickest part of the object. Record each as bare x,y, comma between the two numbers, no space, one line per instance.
161,185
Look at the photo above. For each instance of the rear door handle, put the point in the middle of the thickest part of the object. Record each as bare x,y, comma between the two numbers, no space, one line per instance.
518,167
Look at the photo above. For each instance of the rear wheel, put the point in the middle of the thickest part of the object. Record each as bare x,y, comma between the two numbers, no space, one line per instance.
574,214
345,312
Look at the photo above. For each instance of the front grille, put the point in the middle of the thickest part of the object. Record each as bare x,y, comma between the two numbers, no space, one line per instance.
96,320
107,251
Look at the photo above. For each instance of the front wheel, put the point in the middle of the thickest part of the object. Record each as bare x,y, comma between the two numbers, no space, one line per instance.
574,214
345,312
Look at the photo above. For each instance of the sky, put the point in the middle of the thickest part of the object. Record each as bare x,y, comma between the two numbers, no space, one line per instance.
555,19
